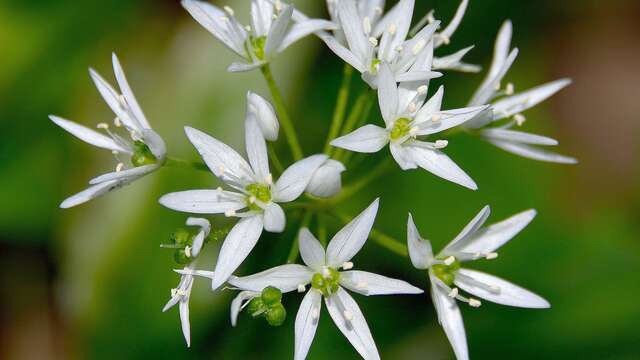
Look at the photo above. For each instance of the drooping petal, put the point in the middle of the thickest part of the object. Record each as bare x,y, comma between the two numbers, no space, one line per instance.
278,30
420,250
238,302
261,16
518,137
448,119
91,193
311,250
224,27
533,153
265,114
127,93
498,290
492,237
203,201
184,321
306,323
347,316
198,240
284,277
367,283
296,177
256,148
438,163
518,103
243,67
87,135
367,139
349,240
327,180
223,161
469,230
274,218
450,318
387,94
125,175
302,29
236,247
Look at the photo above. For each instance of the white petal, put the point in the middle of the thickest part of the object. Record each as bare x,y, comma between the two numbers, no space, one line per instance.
454,62
355,330
518,103
367,283
327,180
91,193
256,148
367,139
349,240
449,119
486,91
296,177
300,30
87,135
420,250
344,53
261,16
224,27
284,277
518,137
306,323
402,156
155,143
470,229
244,67
453,25
387,94
450,318
506,293
265,114
418,76
441,165
311,250
352,27
492,237
236,247
128,93
274,218
184,321
278,30
501,49
236,304
534,153
219,157
202,202
431,107
125,175
205,229
112,98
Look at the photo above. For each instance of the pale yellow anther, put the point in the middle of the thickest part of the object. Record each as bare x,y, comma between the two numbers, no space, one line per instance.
269,179
219,189
115,152
187,251
423,89
366,25
301,288
520,119
399,48
117,122
348,315
229,10
430,17
248,28
450,260
392,29
510,89
252,199
436,117
441,144
414,130
102,126
221,169
373,41
119,167
474,303
418,46
230,213
326,272
453,293
378,10
278,5
347,265
412,107
491,256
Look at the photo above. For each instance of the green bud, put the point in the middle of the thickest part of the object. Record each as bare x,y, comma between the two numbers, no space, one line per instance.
271,296
142,155
181,237
276,315
256,307
181,257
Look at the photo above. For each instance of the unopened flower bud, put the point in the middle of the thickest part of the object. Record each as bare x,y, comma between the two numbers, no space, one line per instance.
276,315
264,114
271,295
327,180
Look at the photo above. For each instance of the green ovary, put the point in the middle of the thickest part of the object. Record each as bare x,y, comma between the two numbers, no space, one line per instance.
258,44
446,273
142,155
260,192
326,282
400,129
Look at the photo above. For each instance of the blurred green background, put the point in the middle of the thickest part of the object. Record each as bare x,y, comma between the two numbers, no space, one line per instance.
90,282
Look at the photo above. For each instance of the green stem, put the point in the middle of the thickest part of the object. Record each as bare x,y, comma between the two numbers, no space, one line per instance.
381,238
322,230
179,163
353,188
293,253
275,160
341,107
283,115
363,102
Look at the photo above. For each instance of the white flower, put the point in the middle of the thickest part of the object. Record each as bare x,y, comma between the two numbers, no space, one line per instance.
512,105
180,295
270,31
256,196
447,275
265,114
327,179
405,119
322,272
144,147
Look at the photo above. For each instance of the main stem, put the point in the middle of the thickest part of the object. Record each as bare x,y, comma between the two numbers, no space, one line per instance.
341,106
194,165
283,115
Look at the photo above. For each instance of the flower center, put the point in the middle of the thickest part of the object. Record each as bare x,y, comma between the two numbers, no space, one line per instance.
400,129
142,155
259,192
446,273
327,281
375,63
258,44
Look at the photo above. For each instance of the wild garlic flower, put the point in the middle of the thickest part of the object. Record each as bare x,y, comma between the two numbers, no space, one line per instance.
511,106
447,275
406,119
322,271
138,149
271,30
181,294
255,197
263,111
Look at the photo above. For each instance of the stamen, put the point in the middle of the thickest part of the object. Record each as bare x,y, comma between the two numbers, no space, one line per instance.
378,10
278,5
399,48
119,167
418,46
436,117
423,89
230,213
326,272
373,41
430,17
366,25
474,303
454,292
412,107
413,131
348,315
115,152
248,28
229,10
102,125
441,144
392,29
520,119
315,313
221,169
347,265
252,199
491,256
445,39
224,18
117,122
269,179
510,89
301,288
187,251
450,260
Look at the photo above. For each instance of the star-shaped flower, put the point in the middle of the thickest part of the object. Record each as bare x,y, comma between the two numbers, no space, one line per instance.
406,117
447,274
271,30
322,271
255,194
512,105
131,137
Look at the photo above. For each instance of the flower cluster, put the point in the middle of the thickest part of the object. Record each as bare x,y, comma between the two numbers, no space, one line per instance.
397,63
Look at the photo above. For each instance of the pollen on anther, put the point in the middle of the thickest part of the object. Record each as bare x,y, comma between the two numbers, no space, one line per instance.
474,303
230,213
392,29
441,144
373,41
436,117
510,89
423,89
248,28
520,119
378,10
252,199
412,107
347,265
119,167
117,122
301,288
348,315
491,256
187,251
229,10
450,260
102,126
454,292
269,179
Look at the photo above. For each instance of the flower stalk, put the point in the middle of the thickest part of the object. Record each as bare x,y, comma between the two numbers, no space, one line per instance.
340,109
